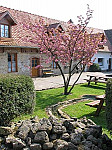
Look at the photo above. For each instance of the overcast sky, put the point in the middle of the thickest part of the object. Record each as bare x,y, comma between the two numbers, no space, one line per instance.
67,9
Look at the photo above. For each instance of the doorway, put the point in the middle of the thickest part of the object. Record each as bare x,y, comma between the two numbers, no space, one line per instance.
35,71
110,64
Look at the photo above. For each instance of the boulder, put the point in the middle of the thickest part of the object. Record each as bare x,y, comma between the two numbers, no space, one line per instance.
60,144
23,131
35,146
71,146
65,136
15,143
4,131
48,145
59,129
76,138
45,125
41,137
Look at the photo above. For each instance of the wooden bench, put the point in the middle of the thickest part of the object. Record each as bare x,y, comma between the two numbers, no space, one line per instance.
94,103
97,103
47,72
95,79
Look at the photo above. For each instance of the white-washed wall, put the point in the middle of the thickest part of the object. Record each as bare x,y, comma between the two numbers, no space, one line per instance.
105,56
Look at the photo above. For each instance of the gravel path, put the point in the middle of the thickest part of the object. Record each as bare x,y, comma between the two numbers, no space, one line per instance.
57,81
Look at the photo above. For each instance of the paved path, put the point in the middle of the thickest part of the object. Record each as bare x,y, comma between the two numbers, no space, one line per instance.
57,81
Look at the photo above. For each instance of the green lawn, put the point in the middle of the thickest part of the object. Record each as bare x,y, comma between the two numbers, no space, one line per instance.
80,110
46,98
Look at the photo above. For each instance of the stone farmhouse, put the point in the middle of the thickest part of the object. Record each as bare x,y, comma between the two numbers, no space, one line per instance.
20,57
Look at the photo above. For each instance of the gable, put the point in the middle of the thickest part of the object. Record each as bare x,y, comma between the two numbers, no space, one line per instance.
6,17
109,35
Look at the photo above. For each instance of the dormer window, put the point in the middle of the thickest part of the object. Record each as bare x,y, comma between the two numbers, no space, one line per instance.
4,31
6,23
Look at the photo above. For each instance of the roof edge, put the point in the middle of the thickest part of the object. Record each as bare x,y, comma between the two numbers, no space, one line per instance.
18,46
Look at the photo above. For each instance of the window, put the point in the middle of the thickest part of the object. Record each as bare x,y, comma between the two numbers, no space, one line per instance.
54,65
12,62
100,61
4,30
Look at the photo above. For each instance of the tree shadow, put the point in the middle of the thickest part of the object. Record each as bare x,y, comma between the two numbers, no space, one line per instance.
99,120
45,100
93,86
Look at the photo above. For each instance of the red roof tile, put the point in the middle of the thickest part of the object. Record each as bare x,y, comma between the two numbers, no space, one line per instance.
18,32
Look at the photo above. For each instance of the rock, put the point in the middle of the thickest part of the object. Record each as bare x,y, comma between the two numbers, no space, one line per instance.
106,139
81,125
23,129
65,136
60,145
90,138
48,145
27,123
35,119
22,132
54,134
28,141
4,131
53,137
78,130
26,148
15,143
54,121
35,146
94,147
84,120
45,125
1,140
88,144
41,137
71,146
59,129
96,131
90,122
67,121
86,148
31,134
35,128
76,138
70,124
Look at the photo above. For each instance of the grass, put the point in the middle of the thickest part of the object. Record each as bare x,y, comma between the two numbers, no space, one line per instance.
80,110
46,98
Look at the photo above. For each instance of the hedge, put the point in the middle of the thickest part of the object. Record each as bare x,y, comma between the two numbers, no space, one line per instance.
17,97
109,104
94,67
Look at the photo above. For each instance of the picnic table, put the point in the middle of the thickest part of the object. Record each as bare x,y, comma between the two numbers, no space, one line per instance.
98,103
97,79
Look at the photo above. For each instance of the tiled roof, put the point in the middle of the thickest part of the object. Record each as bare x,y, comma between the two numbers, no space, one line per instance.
18,32
109,35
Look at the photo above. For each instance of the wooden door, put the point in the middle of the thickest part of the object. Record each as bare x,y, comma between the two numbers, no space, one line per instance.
35,71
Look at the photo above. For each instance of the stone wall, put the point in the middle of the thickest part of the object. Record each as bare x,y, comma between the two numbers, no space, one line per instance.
54,134
23,61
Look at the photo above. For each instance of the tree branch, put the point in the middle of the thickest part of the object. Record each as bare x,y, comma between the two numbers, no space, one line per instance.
76,80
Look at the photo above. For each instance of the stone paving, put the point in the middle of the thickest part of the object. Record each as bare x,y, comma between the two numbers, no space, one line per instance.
43,83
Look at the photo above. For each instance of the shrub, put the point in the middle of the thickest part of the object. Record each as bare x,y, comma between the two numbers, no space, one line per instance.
94,68
109,104
16,97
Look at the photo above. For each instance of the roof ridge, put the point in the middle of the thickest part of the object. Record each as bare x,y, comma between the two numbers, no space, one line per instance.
31,13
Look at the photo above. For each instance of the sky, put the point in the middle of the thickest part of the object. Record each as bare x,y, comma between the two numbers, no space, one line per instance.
66,9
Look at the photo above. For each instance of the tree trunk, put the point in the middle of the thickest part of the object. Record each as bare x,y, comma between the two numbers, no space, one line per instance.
66,90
